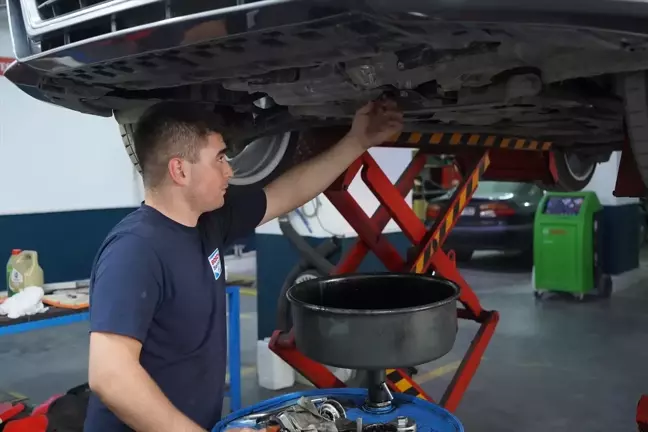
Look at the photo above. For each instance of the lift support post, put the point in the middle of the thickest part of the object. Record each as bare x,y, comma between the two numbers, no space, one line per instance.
425,255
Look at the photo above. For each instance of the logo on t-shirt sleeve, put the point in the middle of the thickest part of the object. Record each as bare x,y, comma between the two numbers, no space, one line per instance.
215,263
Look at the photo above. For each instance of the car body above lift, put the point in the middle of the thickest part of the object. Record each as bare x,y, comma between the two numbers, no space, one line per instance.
567,73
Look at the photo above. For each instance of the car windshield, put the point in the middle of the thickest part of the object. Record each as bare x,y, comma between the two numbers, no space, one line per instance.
487,188
498,187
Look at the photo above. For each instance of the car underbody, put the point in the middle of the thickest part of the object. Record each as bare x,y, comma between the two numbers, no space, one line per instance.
274,66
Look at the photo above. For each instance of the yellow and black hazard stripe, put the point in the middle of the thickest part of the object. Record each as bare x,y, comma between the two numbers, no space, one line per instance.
402,383
467,139
457,204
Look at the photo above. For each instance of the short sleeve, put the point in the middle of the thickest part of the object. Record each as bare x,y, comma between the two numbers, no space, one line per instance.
125,289
239,216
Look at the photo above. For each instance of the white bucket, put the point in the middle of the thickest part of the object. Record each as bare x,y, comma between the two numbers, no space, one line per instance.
273,373
343,375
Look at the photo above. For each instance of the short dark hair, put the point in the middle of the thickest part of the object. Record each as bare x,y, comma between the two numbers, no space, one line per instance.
167,130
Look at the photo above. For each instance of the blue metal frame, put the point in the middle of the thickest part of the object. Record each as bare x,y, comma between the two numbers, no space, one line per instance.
44,323
234,337
234,345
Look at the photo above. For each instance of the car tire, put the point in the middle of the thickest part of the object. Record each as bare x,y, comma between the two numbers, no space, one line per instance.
306,275
263,160
634,90
260,162
463,255
570,171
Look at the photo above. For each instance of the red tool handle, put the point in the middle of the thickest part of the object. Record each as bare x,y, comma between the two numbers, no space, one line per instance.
11,412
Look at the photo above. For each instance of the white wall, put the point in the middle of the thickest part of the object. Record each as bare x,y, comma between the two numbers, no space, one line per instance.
57,159
330,221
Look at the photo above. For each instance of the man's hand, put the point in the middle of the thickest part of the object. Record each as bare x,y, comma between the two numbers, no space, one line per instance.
375,123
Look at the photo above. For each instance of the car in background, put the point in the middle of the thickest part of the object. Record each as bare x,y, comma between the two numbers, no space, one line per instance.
498,217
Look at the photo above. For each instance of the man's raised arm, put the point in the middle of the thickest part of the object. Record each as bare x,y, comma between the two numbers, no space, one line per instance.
373,124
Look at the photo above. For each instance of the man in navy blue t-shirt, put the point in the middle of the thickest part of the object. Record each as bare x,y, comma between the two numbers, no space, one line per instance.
157,299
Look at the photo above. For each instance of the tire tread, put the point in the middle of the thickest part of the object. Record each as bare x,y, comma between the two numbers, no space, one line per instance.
635,89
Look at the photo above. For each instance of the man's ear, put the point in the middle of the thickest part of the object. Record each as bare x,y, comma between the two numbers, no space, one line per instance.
178,171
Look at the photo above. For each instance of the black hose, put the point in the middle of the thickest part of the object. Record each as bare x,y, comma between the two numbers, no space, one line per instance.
284,319
322,252
316,260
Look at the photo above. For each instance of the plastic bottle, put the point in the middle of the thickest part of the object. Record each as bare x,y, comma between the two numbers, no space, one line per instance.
273,373
10,263
26,272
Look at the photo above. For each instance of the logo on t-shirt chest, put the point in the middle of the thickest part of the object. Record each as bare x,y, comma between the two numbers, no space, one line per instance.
215,263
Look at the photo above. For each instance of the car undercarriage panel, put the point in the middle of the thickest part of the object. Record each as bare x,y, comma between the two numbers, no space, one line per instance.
314,59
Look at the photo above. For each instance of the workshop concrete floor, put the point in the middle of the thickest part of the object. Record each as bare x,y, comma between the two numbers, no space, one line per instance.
556,365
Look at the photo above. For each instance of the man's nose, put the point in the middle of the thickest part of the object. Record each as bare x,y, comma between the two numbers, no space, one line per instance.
229,172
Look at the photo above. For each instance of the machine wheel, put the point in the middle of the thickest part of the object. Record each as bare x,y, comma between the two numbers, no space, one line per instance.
571,171
306,275
604,285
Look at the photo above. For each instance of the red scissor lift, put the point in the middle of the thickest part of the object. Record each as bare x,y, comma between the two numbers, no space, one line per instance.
426,254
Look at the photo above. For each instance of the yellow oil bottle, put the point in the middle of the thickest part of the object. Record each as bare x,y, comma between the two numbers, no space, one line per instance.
25,272
10,263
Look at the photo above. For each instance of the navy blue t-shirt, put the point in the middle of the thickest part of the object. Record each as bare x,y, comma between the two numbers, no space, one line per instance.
163,283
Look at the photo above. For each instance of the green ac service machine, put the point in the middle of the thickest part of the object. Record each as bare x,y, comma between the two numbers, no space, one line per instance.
567,246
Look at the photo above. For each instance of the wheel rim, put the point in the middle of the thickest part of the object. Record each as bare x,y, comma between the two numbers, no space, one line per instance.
258,159
578,169
304,277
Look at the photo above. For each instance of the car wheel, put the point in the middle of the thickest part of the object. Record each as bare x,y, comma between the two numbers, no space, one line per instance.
254,165
571,171
463,255
306,275
634,89
260,161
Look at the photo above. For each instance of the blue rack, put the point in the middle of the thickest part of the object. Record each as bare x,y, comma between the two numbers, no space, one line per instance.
40,321
234,345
